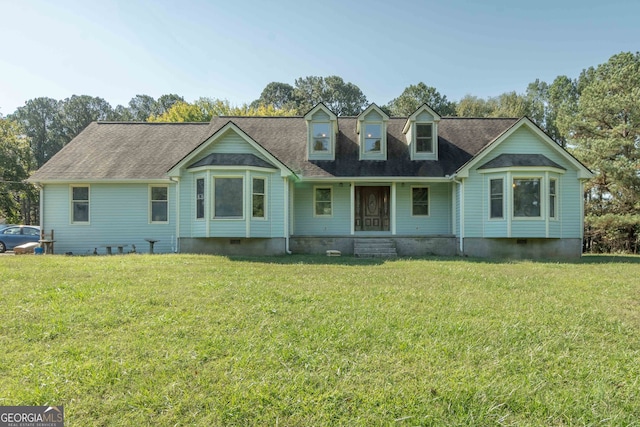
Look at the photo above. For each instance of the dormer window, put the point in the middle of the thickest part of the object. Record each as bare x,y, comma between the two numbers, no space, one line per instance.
322,128
424,138
421,130
372,128
321,137
372,138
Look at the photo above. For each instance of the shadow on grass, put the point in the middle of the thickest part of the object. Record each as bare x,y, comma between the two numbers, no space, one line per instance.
355,261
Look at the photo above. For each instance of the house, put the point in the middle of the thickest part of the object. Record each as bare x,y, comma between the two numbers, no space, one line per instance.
274,185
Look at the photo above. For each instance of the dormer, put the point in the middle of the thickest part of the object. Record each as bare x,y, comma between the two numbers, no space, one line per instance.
371,128
322,129
421,131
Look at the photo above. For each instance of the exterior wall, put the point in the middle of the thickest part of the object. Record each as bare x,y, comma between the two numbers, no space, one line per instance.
240,247
307,224
439,220
247,227
437,223
406,246
118,214
523,248
569,197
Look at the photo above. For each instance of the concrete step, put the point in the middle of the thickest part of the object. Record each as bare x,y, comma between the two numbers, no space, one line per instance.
374,248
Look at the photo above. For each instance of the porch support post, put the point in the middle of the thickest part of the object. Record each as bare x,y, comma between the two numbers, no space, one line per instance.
352,191
393,209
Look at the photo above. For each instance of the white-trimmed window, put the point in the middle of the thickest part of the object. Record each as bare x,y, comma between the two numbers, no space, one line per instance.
159,203
258,198
322,201
420,201
228,197
80,204
553,198
200,198
321,137
496,198
526,198
372,138
424,138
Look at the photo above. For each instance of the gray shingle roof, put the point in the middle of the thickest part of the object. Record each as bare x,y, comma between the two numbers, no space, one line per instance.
122,151
148,150
227,159
511,160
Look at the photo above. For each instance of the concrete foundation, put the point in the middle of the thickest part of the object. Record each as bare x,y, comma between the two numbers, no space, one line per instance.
523,248
233,246
405,246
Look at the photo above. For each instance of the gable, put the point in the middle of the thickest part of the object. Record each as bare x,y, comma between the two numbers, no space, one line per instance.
523,141
229,146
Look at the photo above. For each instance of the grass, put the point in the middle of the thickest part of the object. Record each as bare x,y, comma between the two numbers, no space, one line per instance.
180,340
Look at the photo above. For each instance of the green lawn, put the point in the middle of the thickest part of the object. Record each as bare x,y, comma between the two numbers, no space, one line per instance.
184,340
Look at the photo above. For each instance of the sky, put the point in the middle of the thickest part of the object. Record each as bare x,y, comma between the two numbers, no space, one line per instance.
117,49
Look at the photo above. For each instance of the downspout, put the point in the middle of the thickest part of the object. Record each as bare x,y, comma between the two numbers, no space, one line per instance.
286,216
461,228
177,181
41,205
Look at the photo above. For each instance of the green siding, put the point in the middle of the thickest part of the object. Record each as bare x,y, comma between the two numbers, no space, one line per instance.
306,224
439,220
118,214
229,143
272,226
320,116
424,117
569,199
373,116
437,223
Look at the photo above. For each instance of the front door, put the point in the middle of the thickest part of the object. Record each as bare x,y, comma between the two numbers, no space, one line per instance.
372,208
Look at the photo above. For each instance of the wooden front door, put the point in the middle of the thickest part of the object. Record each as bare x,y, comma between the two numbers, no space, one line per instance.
372,208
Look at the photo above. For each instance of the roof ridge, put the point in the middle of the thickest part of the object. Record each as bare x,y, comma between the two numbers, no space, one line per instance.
113,122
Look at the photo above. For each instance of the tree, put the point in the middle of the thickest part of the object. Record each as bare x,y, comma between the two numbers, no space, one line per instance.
122,114
165,102
537,100
344,99
472,106
40,119
182,112
278,95
203,109
80,110
605,136
142,107
509,104
562,107
16,161
415,95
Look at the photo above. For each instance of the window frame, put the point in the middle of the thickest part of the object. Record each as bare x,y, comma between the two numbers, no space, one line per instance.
413,205
502,200
152,201
214,198
379,154
315,201
201,199
73,202
417,138
553,199
541,208
328,137
264,197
